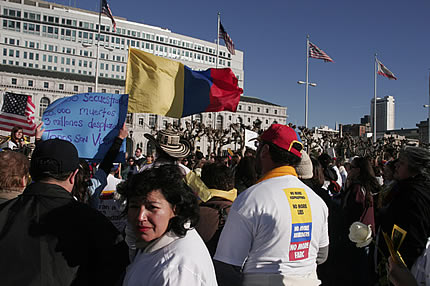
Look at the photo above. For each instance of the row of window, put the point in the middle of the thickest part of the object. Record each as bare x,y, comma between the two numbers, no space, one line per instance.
70,34
275,111
152,120
61,86
159,50
64,60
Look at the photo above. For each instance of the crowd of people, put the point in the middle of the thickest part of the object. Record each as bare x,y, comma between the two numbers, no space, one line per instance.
277,215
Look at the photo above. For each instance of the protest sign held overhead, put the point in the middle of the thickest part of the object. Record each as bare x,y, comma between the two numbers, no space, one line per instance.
91,121
166,87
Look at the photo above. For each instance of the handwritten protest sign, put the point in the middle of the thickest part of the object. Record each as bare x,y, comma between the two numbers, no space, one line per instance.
91,121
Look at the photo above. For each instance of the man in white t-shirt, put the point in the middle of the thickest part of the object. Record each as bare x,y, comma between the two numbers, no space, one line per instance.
276,231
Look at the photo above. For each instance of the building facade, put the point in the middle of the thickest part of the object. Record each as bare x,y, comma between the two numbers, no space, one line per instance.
385,114
49,51
355,130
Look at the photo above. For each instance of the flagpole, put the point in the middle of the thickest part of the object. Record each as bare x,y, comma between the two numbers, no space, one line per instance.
98,47
217,40
429,115
374,102
307,81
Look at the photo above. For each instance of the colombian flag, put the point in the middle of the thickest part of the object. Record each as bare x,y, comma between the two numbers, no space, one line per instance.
166,87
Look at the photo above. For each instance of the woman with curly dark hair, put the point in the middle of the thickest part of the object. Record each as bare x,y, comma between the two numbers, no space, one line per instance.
162,210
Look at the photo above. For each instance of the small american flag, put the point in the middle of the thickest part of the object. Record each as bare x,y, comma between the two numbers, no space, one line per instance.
382,70
317,53
17,110
106,10
227,40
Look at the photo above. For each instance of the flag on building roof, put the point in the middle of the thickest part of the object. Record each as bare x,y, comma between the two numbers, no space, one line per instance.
317,53
166,87
106,10
227,40
382,70
17,110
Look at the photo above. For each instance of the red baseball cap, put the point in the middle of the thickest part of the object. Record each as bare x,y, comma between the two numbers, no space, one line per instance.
282,136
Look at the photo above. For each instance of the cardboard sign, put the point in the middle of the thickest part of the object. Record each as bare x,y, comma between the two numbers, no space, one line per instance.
91,121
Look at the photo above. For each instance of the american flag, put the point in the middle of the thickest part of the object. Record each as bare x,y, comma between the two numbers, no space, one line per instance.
382,70
317,53
227,40
106,10
17,110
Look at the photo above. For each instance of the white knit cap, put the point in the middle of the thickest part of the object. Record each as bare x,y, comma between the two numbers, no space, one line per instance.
304,168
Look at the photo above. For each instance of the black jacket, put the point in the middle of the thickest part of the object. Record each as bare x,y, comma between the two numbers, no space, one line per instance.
48,238
410,210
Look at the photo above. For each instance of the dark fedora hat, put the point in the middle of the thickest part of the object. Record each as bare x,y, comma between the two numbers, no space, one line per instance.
170,142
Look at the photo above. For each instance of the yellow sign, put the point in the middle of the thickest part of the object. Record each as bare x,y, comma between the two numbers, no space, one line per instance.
301,223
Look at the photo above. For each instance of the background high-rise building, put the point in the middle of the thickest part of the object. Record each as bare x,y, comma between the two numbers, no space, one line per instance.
385,116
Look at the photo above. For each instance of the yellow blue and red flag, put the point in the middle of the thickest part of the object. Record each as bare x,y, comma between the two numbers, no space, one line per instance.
166,87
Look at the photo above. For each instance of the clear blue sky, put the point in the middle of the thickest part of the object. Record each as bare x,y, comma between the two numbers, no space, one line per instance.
272,35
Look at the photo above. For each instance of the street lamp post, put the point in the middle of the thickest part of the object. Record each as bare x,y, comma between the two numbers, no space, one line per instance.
306,97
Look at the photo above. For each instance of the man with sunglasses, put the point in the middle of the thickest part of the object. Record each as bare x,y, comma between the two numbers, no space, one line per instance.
276,231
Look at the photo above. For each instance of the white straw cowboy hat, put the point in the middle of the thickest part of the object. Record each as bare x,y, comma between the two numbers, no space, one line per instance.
170,142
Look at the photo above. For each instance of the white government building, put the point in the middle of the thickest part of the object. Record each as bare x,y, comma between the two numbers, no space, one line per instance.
48,51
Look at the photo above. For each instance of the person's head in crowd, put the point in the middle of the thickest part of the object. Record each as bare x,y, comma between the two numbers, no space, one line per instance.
149,159
361,167
185,162
362,172
305,169
138,152
250,153
225,161
388,171
325,160
413,161
318,173
82,182
347,166
169,145
14,171
235,159
340,162
16,134
245,173
212,158
55,161
199,155
278,146
217,176
377,170
389,154
310,172
159,201
130,161
191,157
326,163
115,169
